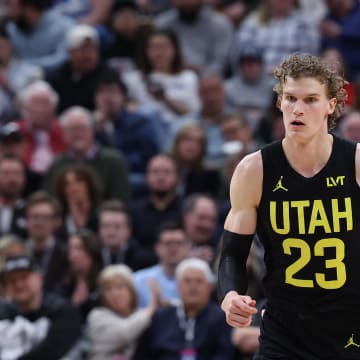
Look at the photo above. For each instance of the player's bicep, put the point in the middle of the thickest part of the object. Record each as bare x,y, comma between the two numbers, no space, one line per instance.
357,164
245,194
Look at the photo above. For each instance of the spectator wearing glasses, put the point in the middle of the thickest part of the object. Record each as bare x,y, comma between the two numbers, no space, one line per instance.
47,250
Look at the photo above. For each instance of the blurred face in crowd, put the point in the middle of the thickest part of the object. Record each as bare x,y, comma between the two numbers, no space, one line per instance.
281,7
118,296
24,288
190,147
212,95
125,22
78,133
350,126
333,58
13,9
200,223
79,259
110,100
160,52
171,247
75,188
5,51
24,16
114,228
39,109
233,129
188,9
250,69
12,179
194,289
40,221
12,148
161,175
84,58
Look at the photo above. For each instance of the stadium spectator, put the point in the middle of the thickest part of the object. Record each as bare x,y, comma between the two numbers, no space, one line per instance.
108,164
15,74
42,133
79,191
75,80
349,127
115,232
125,33
195,328
250,89
277,29
35,325
340,29
12,204
12,144
171,248
199,217
128,131
162,86
333,57
239,141
46,249
160,204
113,328
205,36
10,245
79,278
213,107
38,34
188,151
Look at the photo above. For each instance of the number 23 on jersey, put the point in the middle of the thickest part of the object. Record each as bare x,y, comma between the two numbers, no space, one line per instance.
335,263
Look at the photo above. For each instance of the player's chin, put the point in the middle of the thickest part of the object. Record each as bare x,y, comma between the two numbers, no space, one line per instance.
301,136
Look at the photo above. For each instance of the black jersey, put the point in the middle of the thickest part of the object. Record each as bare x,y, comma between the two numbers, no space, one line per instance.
310,228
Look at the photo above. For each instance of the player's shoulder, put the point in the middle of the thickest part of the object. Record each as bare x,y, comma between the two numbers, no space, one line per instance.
357,149
250,165
357,157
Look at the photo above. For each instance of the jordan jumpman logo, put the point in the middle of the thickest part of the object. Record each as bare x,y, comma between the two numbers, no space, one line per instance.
279,185
351,342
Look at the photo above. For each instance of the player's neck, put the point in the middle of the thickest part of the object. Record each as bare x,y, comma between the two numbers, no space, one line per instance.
310,157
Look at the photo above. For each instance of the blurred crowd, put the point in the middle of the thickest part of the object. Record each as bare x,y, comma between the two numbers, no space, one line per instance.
121,122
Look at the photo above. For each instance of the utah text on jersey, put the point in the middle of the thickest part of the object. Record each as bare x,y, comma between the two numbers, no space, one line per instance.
305,217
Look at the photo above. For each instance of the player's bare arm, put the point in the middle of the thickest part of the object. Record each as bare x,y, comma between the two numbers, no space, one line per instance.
245,195
240,226
357,164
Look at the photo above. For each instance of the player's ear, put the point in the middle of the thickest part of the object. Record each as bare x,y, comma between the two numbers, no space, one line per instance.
332,105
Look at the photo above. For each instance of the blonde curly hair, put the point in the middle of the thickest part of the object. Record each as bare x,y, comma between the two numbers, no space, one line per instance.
306,65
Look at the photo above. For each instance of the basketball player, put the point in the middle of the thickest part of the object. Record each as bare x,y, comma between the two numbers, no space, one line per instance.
302,197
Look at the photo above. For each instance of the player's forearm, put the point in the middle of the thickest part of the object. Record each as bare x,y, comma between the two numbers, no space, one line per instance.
232,267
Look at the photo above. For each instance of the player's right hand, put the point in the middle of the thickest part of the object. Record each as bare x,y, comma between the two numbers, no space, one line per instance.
238,309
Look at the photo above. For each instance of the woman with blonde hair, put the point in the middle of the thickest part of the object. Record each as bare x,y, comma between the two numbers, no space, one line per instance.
113,328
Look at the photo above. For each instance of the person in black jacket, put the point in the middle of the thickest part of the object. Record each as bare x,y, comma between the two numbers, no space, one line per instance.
115,233
34,325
